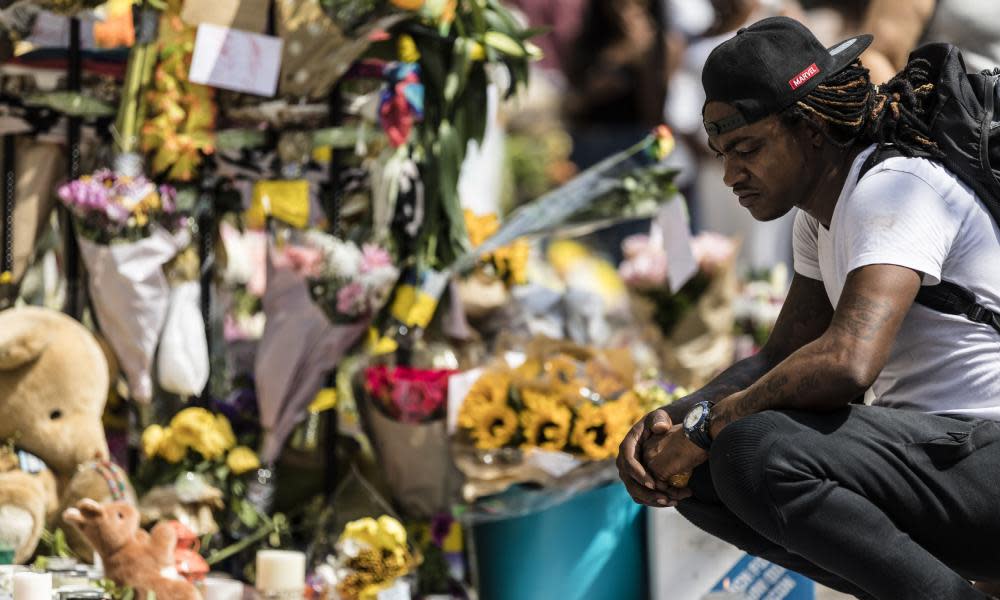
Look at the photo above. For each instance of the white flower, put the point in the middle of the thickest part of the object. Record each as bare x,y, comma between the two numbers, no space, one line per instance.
378,284
343,258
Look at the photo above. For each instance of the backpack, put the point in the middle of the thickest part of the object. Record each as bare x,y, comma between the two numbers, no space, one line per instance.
965,124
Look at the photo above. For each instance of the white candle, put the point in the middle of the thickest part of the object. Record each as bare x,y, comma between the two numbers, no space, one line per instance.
281,571
217,588
32,586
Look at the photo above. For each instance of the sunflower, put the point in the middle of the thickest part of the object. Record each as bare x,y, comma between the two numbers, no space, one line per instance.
600,429
605,380
491,388
529,370
546,421
562,370
493,425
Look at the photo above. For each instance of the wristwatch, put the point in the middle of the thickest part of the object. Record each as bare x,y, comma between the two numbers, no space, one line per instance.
696,424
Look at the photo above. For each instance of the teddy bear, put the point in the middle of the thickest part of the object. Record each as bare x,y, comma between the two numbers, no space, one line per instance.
131,556
54,380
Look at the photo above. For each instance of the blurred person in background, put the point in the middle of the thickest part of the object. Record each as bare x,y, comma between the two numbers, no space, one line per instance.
899,26
617,76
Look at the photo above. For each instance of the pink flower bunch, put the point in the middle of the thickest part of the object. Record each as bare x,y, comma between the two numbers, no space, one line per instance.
645,263
108,204
348,281
713,251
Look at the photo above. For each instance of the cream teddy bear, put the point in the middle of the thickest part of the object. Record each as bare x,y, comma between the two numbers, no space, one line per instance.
53,386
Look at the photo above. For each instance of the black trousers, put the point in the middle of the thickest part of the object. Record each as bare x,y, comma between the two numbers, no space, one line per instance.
875,502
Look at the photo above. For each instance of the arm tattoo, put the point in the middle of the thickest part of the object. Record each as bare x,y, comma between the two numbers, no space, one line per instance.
734,379
862,317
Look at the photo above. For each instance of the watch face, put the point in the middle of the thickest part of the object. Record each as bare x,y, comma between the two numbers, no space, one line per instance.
693,416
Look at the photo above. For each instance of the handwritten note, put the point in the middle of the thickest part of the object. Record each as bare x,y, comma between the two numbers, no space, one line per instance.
236,60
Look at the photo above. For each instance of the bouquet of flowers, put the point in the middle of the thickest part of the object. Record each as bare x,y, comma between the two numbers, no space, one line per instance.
372,554
191,468
409,395
129,230
693,325
348,282
566,398
110,207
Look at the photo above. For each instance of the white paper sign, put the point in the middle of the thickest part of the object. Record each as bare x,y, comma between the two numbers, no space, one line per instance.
458,388
672,221
236,60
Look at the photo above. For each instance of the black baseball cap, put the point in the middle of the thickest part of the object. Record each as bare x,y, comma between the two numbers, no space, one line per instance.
770,66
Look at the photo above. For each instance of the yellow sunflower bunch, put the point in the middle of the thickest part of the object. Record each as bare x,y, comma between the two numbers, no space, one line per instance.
197,429
600,428
486,414
510,261
546,420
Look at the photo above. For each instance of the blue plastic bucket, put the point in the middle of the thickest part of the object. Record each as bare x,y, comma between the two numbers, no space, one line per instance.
591,547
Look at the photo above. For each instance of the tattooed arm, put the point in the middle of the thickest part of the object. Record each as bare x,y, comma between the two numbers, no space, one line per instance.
841,363
804,317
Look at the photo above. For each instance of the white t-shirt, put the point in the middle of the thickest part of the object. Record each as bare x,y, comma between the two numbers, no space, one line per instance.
914,213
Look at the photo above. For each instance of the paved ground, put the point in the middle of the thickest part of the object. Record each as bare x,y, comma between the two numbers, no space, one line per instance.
823,593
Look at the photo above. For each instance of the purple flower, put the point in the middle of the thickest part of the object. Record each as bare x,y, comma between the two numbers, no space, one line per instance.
441,527
168,198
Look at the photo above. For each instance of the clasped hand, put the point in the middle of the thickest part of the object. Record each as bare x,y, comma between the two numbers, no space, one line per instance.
654,451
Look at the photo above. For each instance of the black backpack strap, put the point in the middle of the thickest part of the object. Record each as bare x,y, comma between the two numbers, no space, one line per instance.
953,299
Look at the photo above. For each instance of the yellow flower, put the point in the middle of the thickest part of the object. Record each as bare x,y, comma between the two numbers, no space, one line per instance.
512,261
600,429
384,534
225,430
491,388
392,534
546,423
528,370
172,449
406,46
203,432
494,425
242,459
152,439
562,369
480,227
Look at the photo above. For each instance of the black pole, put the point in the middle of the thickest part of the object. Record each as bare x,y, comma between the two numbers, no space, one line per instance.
333,205
7,222
206,254
74,306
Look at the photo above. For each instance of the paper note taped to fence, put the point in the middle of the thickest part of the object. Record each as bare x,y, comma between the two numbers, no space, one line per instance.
236,60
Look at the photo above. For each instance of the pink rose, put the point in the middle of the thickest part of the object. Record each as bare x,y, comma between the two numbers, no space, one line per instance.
351,299
645,265
373,257
712,251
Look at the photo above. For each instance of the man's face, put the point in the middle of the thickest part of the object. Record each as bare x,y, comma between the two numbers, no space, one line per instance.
764,162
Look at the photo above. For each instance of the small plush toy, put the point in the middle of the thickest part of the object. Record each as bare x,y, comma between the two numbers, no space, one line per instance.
132,557
53,386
